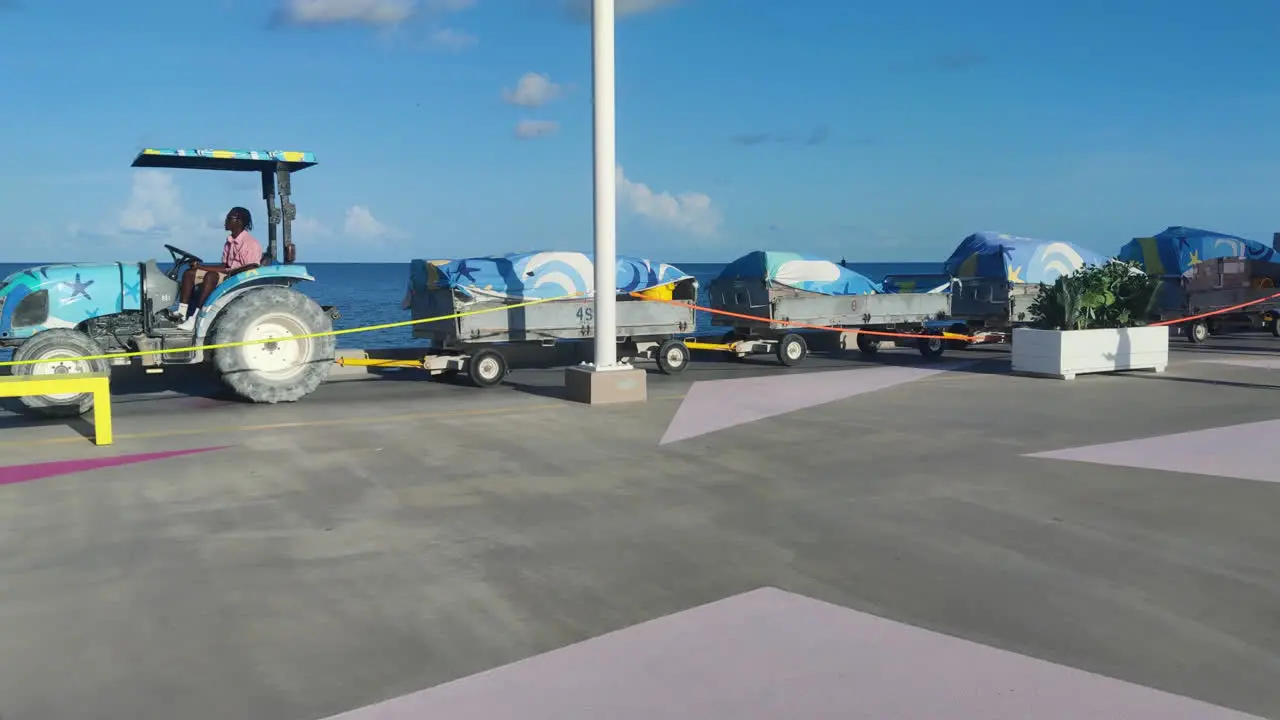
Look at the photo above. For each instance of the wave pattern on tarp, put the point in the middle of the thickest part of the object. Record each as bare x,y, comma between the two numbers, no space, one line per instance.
537,275
1177,249
1018,259
801,272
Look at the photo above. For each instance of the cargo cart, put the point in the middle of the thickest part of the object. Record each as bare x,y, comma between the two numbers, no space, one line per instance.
1222,283
997,276
481,340
762,296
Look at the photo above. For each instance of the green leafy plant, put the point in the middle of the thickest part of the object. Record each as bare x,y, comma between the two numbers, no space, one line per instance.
1114,295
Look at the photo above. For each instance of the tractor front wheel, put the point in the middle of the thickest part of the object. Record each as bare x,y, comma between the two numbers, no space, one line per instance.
271,367
59,348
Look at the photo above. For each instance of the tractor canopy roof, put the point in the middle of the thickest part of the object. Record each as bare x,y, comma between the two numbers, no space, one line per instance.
234,160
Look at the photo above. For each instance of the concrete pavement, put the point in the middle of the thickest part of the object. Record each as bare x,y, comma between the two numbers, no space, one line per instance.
387,536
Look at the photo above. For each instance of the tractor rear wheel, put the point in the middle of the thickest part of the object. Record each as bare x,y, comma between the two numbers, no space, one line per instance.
268,370
60,346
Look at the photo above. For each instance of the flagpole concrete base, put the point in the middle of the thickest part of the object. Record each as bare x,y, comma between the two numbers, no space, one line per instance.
593,386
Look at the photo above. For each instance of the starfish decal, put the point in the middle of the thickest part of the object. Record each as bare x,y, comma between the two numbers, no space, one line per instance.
1195,257
131,291
466,272
79,288
1014,273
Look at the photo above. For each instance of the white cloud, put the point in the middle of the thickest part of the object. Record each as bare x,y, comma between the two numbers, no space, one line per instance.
450,6
360,223
369,12
536,128
153,214
308,227
451,39
621,8
533,90
691,212
155,204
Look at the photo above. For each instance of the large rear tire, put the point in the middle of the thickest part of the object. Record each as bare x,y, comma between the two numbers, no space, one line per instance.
273,372
66,344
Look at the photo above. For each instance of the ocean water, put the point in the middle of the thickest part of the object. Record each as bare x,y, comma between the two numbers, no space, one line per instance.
370,294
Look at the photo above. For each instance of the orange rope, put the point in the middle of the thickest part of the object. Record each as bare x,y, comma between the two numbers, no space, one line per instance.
1211,313
946,334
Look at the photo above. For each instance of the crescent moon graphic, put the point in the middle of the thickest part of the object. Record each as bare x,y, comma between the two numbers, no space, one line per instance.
555,278
1236,247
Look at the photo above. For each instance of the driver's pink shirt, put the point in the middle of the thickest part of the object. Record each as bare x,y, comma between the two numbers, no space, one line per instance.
241,250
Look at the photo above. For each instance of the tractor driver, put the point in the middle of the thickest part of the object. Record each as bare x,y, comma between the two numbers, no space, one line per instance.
241,250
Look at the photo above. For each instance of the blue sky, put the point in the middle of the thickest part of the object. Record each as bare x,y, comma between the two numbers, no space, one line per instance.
875,131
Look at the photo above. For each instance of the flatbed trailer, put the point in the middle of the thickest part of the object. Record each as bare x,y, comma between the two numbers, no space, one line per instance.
991,305
1215,285
480,341
782,312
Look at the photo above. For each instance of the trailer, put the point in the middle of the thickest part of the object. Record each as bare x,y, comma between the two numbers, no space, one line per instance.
991,304
961,335
477,337
1206,270
997,276
766,298
1215,285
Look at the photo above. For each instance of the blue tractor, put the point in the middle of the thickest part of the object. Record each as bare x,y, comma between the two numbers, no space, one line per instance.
64,313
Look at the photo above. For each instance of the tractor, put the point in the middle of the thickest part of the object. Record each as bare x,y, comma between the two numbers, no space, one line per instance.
67,315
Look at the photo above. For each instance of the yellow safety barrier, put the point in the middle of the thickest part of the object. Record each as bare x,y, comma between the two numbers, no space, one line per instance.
263,341
97,383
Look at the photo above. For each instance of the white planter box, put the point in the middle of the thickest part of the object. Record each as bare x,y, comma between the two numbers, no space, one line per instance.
1067,353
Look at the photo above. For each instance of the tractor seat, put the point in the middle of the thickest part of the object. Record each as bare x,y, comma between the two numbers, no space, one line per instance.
267,261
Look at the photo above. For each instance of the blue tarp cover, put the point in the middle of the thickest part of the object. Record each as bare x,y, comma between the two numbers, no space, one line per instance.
1177,249
1018,259
802,272
536,275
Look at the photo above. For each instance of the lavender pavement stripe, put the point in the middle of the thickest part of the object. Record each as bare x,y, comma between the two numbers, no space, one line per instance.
1215,451
12,474
772,654
1264,363
716,405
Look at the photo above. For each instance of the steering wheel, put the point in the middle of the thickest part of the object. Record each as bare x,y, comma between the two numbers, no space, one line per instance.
179,256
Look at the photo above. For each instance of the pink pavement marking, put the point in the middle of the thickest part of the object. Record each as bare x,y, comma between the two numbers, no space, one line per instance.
713,405
1247,452
772,654
12,474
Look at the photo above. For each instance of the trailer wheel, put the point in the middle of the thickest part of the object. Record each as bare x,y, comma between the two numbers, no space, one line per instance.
792,349
1198,333
487,368
868,344
931,348
50,345
673,357
1274,326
